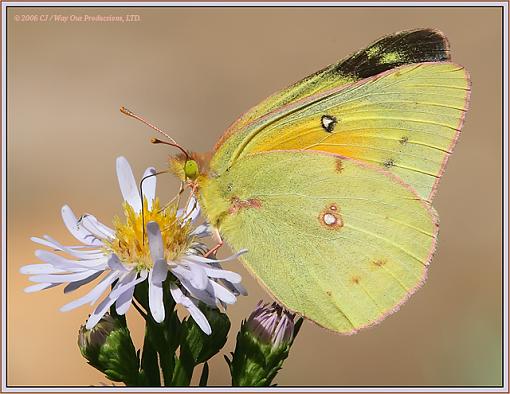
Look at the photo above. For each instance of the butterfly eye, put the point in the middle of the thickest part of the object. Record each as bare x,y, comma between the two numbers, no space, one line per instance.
191,169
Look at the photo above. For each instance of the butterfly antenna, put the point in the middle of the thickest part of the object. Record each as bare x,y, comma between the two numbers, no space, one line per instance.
142,200
158,141
128,112
172,142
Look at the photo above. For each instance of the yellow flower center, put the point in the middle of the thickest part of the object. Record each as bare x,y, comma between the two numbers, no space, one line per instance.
131,243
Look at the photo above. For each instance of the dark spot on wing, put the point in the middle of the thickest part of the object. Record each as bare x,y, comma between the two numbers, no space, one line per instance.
404,140
339,165
389,163
379,263
330,217
328,123
236,204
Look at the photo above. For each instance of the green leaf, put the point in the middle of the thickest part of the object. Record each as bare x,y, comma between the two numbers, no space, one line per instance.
196,347
200,346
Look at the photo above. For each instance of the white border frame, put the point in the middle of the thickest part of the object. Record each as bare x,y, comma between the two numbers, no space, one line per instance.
504,5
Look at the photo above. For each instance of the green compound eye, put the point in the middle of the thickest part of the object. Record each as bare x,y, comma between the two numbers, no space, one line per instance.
191,169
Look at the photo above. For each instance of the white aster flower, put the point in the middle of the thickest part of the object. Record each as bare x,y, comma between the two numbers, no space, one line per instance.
198,279
120,256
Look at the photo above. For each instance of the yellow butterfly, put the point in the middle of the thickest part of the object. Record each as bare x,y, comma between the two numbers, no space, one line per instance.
328,183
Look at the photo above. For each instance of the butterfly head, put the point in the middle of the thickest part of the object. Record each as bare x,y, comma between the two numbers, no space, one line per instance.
189,167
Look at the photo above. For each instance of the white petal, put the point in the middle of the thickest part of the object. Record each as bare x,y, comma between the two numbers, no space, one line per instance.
182,273
155,241
35,269
222,294
45,243
115,264
103,306
61,278
39,286
220,273
229,276
55,260
197,248
97,228
236,288
79,283
127,184
156,305
159,271
202,231
80,233
69,265
199,278
99,312
208,261
191,212
94,294
195,313
56,246
201,295
76,253
124,301
149,186
123,287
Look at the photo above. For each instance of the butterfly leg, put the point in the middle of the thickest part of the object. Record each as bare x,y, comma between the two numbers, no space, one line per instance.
217,235
174,198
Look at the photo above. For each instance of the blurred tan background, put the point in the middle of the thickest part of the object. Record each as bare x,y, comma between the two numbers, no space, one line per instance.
192,71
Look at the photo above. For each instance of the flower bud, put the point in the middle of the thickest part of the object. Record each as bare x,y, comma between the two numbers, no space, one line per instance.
271,324
108,348
263,343
91,341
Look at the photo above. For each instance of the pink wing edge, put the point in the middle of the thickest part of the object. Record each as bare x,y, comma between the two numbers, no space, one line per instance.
454,141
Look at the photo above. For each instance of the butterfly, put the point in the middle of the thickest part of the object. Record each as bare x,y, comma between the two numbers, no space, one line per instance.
328,183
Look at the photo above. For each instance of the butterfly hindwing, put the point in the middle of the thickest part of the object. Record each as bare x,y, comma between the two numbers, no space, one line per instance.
340,242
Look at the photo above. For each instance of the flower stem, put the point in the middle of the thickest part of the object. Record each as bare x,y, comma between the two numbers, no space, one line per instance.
204,376
150,360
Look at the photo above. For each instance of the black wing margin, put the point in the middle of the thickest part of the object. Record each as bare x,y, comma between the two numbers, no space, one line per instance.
406,47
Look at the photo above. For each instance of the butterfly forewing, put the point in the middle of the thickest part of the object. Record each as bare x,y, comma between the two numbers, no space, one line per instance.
414,46
406,120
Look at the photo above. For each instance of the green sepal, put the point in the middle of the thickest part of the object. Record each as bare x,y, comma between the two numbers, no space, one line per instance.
255,363
118,360
297,328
